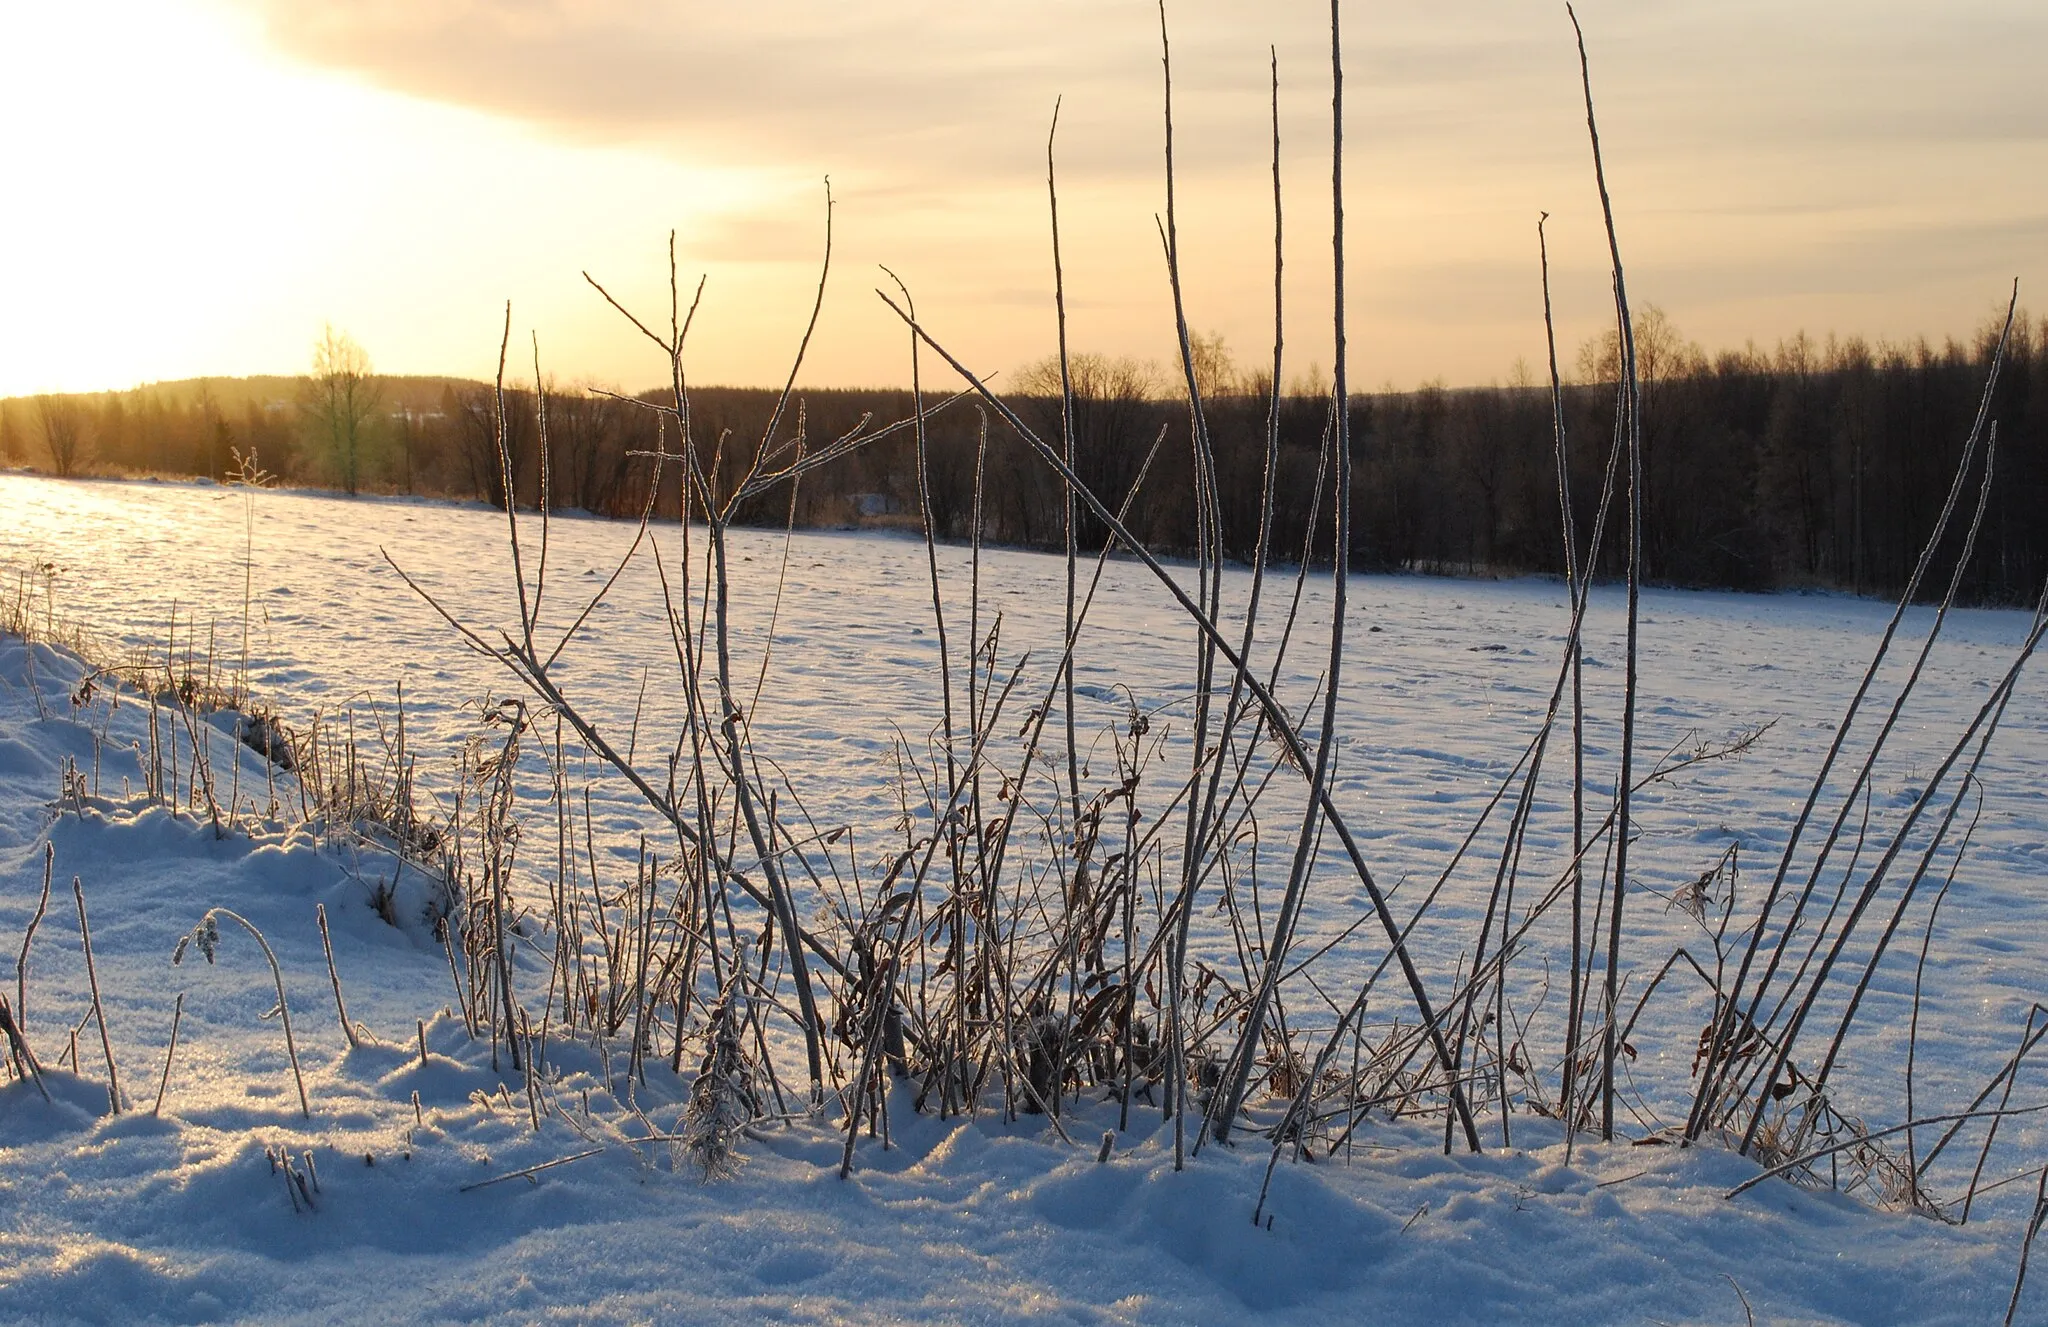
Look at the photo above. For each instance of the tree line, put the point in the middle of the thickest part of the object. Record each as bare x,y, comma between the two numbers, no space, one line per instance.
1811,464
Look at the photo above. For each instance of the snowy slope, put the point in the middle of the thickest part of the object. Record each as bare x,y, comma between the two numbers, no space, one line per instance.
1445,684
183,1218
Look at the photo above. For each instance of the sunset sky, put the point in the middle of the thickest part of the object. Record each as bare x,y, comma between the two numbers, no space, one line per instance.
198,186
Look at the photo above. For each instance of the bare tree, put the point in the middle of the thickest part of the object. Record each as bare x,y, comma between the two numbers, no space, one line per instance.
1216,372
1668,368
339,405
1662,352
589,434
63,423
1115,414
476,422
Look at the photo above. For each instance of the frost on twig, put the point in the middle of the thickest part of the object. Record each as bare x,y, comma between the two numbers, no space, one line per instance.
206,935
723,1100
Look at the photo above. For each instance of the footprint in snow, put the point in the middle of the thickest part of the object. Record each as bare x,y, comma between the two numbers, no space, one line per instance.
788,1266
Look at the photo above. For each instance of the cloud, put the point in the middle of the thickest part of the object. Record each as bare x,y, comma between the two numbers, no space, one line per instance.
934,95
721,83
922,89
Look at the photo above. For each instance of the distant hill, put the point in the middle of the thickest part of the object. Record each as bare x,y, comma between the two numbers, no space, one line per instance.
264,391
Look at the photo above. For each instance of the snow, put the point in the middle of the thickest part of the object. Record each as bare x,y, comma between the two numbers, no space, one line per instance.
182,1217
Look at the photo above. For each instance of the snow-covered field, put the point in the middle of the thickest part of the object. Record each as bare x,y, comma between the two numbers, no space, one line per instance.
181,1218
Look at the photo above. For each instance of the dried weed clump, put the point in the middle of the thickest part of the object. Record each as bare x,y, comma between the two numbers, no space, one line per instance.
723,1098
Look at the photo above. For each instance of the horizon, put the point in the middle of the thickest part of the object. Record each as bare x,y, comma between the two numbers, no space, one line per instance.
413,167
1249,378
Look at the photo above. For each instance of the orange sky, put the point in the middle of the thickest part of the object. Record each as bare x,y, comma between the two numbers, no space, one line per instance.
200,185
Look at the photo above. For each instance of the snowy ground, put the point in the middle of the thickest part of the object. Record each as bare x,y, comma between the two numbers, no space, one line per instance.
181,1218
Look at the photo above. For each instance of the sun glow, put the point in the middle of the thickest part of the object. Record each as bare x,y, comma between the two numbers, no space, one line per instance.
188,203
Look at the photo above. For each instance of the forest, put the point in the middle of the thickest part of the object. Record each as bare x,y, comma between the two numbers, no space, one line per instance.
1814,464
